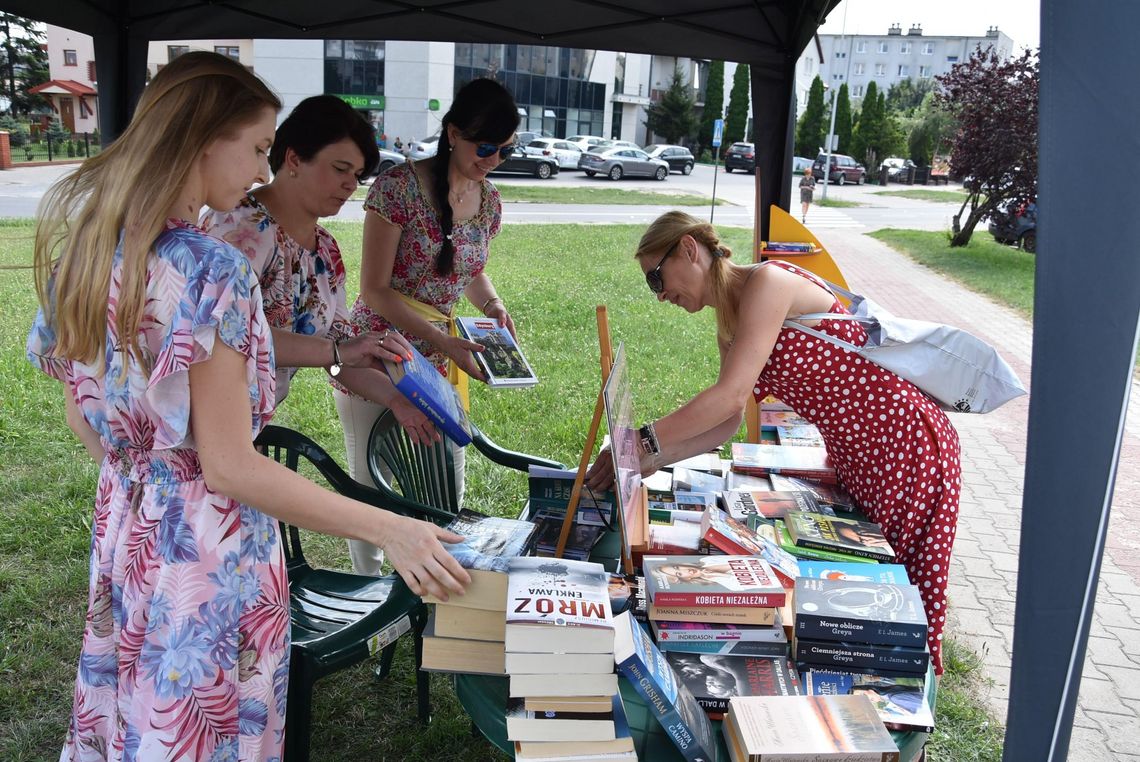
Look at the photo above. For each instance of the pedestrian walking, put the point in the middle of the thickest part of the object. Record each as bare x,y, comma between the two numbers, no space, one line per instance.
807,187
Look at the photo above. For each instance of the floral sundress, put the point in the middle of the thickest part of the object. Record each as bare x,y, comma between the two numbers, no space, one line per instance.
186,642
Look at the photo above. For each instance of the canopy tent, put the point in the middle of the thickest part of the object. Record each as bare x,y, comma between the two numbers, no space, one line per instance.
1088,108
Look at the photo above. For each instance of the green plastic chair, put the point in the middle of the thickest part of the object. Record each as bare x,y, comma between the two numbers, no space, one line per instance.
423,475
339,619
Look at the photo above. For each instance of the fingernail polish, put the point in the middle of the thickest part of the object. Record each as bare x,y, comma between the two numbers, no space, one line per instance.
409,355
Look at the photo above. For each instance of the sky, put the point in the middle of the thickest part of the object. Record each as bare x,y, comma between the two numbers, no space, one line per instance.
1020,19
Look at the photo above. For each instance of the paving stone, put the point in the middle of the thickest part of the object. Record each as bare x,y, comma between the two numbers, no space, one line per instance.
1004,561
1106,651
1118,616
1121,731
1126,680
1100,696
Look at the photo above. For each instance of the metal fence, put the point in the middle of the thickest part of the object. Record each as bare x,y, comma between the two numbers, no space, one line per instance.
78,145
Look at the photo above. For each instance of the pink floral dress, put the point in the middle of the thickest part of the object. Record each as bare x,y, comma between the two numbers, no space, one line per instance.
895,450
398,197
302,290
186,643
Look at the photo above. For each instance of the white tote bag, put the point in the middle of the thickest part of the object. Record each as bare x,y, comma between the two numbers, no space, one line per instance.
957,369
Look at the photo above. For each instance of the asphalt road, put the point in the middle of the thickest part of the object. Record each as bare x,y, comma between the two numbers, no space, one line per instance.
22,188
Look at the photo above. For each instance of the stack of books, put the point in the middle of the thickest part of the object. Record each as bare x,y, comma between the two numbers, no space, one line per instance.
559,650
829,495
819,728
860,626
740,504
466,632
789,460
723,534
832,538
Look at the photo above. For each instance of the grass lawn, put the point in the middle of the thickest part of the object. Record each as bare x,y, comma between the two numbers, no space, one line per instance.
839,203
996,270
924,194
551,277
603,194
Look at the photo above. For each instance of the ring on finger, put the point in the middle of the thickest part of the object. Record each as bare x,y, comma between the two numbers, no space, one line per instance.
383,336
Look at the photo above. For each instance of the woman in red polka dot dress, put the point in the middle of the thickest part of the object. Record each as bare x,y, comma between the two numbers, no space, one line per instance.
895,450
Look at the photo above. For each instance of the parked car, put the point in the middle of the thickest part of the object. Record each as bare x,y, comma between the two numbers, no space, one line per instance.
896,167
621,162
799,164
542,167
389,159
585,142
423,149
562,151
607,144
1016,225
524,137
740,156
679,158
844,169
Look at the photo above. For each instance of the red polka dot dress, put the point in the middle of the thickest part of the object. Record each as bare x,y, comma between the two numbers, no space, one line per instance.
895,450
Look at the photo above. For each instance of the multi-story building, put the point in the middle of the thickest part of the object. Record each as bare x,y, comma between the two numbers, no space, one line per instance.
72,90
888,58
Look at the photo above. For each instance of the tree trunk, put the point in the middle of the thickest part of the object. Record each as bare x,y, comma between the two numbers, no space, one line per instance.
962,237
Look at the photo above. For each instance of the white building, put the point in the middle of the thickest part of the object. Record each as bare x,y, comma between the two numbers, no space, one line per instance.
72,90
887,59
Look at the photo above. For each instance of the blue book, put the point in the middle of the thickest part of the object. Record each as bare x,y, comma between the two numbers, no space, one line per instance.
821,682
429,390
890,574
671,703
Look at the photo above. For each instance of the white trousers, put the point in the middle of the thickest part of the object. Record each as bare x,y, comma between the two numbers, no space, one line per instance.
357,416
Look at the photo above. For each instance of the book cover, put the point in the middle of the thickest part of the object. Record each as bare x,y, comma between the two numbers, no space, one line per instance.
765,459
490,540
558,606
772,418
860,612
678,538
428,389
670,702
825,494
819,728
714,679
891,574
627,593
716,614
622,742
724,647
659,486
822,682
501,359
550,490
858,538
780,530
729,535
799,435
690,480
737,480
700,632
712,581
742,503
903,703
861,657
526,725
580,543
710,462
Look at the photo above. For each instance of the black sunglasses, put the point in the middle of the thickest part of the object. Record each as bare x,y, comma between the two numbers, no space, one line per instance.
483,150
653,277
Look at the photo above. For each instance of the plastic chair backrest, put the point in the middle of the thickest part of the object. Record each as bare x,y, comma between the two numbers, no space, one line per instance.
422,473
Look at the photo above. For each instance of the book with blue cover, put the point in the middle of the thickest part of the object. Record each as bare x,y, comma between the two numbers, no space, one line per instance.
429,390
891,574
670,702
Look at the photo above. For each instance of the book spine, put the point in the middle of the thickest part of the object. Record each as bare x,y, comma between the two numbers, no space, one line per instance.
414,392
823,627
666,713
808,542
846,756
896,660
720,600
726,647
827,477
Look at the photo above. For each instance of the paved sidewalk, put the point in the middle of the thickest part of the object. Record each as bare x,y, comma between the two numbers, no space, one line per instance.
984,567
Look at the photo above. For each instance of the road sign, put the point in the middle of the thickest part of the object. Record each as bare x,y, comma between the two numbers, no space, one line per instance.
718,132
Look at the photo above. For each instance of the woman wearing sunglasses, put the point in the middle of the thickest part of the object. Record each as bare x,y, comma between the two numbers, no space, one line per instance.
895,450
427,236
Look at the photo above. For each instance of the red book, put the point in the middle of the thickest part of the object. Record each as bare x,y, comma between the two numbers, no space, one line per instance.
765,459
712,582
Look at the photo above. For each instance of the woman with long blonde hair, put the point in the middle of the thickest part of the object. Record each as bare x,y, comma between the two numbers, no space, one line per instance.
157,332
894,449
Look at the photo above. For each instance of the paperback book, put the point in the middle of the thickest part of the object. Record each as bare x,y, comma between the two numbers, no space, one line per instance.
765,459
742,503
712,581
861,612
890,574
622,742
780,530
501,360
428,389
728,535
670,702
857,538
558,606
527,725
550,490
903,703
799,435
690,480
823,682
817,728
831,495
714,679
579,545
861,657
705,632
489,541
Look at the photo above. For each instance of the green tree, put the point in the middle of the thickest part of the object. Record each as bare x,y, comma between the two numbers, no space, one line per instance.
674,116
877,134
737,117
906,97
23,60
714,104
844,124
928,131
812,129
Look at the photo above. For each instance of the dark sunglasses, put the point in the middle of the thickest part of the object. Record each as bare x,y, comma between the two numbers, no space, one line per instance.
483,150
653,277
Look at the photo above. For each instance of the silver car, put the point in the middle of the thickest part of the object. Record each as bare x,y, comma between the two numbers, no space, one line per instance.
423,149
389,159
564,152
622,162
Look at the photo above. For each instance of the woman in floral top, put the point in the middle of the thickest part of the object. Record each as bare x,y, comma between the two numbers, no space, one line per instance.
156,331
319,153
426,240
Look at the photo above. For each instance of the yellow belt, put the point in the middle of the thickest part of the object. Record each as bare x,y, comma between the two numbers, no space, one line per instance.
456,376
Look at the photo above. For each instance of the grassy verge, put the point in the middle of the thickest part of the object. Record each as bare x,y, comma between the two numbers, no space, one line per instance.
838,203
985,266
533,194
964,730
923,194
46,482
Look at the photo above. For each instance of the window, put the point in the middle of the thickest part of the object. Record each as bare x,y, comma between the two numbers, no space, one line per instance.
91,72
861,46
858,70
70,58
840,55
904,48
883,47
951,59
230,51
924,72
880,70
857,92
904,70
928,48
356,67
173,51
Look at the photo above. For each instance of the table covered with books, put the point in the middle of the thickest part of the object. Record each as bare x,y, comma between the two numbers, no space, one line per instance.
764,616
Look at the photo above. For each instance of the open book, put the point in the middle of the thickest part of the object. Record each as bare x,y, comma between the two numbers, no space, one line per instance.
501,359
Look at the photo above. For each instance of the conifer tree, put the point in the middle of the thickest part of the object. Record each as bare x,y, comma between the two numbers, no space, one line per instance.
738,99
843,121
812,129
674,116
714,104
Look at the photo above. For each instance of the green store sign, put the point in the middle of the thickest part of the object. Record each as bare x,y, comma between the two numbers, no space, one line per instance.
375,102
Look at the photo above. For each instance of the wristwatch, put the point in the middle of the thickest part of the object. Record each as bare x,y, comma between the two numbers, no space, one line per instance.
334,369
